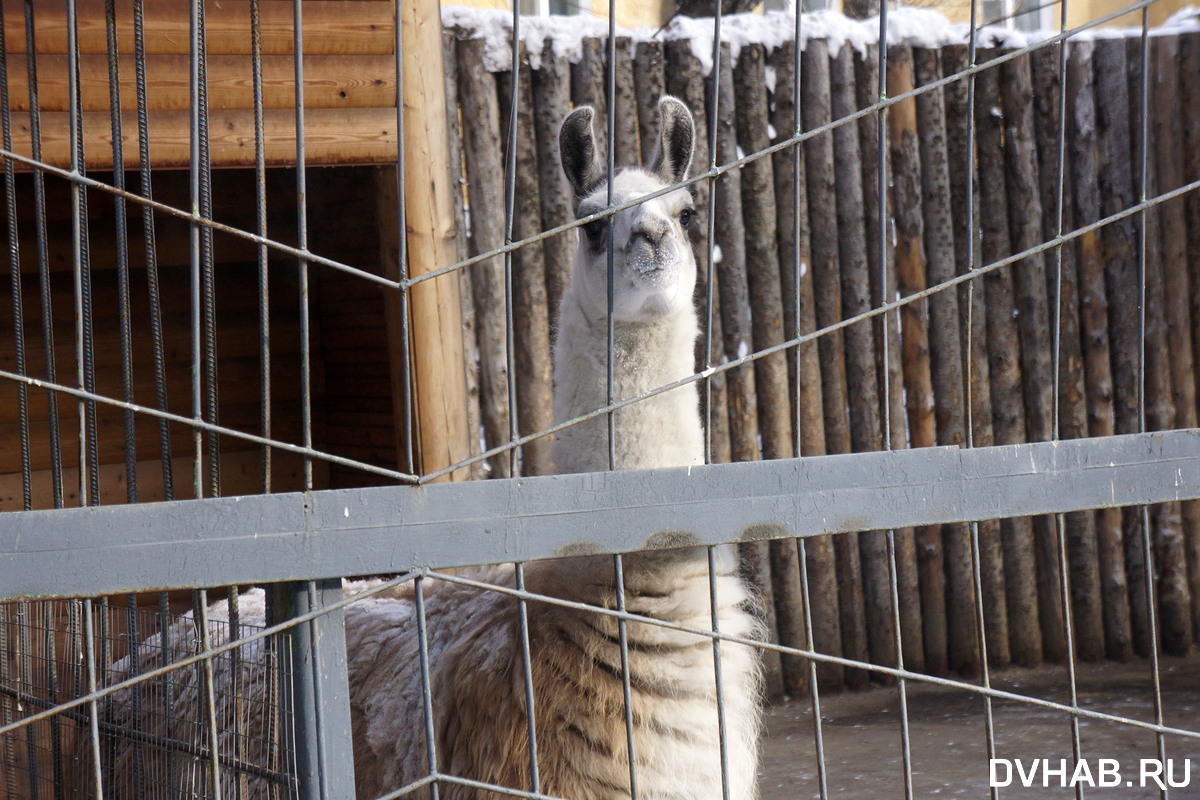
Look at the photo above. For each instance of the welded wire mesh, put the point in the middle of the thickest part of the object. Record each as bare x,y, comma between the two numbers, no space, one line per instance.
969,245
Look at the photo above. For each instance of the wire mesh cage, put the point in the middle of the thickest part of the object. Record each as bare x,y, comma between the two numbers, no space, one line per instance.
154,739
939,281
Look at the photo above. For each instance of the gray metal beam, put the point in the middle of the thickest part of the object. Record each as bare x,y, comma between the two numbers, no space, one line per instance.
328,534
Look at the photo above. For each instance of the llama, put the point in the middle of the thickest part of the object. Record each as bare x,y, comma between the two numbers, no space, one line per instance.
476,662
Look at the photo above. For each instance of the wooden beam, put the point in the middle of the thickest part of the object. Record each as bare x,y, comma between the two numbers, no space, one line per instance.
332,136
330,81
329,27
435,313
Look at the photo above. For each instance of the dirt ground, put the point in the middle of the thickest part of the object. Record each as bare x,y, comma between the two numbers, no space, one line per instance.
862,743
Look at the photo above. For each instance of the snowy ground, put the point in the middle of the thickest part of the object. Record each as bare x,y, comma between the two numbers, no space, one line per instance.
863,746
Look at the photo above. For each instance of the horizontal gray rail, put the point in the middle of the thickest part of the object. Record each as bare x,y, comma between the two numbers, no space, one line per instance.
334,533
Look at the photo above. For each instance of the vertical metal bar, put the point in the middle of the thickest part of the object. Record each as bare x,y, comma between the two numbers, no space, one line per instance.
156,321
402,258
610,170
1143,147
797,274
623,639
325,760
118,177
1064,577
510,195
710,286
39,200
239,694
14,260
89,641
972,235
882,200
302,242
89,466
722,734
25,657
426,694
260,212
527,664
208,267
813,686
207,693
194,241
7,740
52,695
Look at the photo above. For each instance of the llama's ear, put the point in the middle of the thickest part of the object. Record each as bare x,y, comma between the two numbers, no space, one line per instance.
577,146
676,137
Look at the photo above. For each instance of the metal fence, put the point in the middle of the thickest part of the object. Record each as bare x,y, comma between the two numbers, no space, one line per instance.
888,304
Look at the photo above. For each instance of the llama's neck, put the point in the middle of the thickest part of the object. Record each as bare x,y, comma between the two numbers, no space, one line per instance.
663,431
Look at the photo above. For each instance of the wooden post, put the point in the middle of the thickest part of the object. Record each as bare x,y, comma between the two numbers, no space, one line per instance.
1093,323
466,303
588,88
730,234
485,184
914,321
649,84
1087,608
945,349
866,432
815,101
686,81
1118,251
628,151
535,411
731,275
435,311
1170,562
1008,414
971,298
799,317
1025,215
762,268
867,93
1189,88
551,99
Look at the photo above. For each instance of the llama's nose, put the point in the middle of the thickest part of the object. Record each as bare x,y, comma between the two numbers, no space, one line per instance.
652,229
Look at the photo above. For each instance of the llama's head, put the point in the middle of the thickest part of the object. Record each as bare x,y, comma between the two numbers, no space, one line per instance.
654,270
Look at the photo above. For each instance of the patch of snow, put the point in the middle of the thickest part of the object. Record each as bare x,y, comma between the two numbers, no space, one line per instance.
907,26
771,132
717,255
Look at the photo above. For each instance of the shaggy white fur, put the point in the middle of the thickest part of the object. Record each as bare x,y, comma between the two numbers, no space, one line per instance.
477,668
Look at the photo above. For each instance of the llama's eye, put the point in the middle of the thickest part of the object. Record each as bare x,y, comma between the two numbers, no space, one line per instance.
685,217
594,230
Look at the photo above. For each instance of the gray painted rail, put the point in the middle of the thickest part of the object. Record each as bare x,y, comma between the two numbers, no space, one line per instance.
329,534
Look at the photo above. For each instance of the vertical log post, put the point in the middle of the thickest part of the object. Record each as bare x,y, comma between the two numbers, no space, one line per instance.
466,304
973,316
1170,561
1008,413
799,317
1087,614
1025,214
822,209
485,186
649,85
551,99
866,68
1093,323
588,88
685,80
866,432
734,284
436,314
1118,251
914,323
762,268
946,349
532,324
628,151
1189,92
